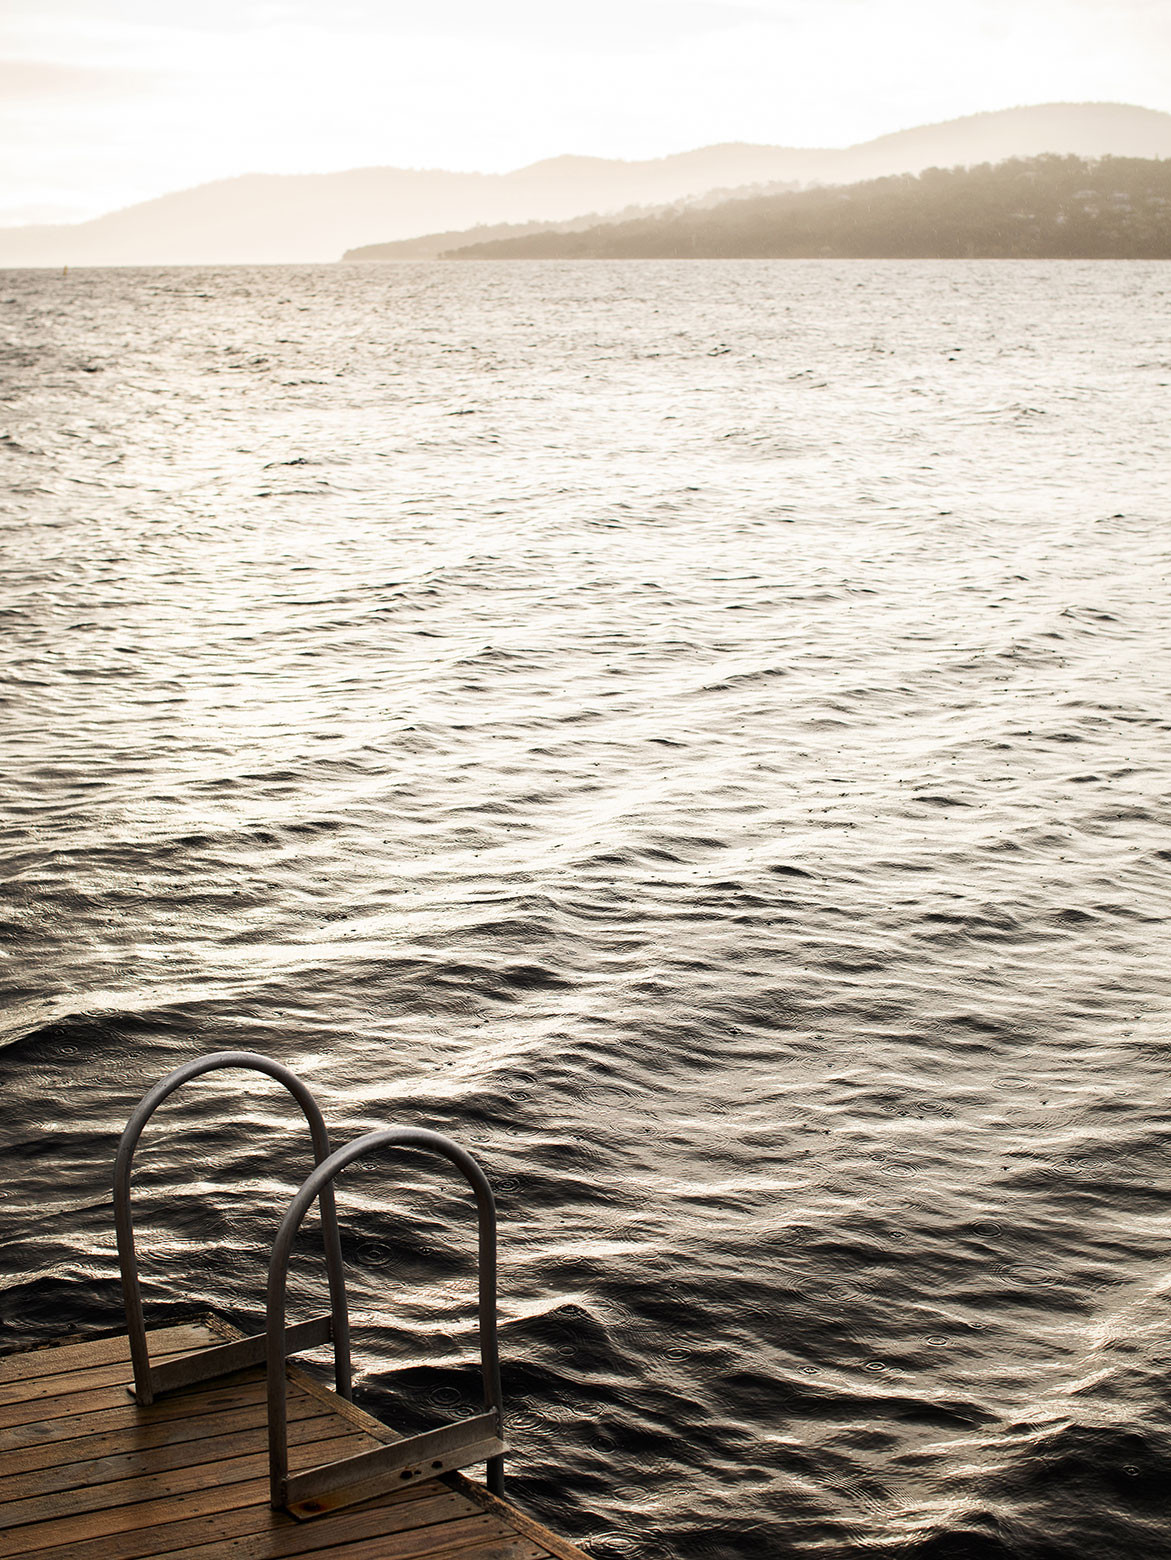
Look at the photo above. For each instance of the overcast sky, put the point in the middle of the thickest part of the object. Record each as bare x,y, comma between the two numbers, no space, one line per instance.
104,102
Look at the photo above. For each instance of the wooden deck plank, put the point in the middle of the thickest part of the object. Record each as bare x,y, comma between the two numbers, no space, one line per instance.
86,1473
550,1544
52,1533
67,1405
118,1430
505,1549
446,1537
57,1359
409,1508
91,1465
50,1417
122,1493
511,1548
98,1420
37,1390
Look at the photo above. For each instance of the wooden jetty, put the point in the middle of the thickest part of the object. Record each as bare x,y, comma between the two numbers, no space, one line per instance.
87,1473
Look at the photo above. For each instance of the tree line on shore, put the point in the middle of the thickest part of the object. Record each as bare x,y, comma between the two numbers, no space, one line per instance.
1048,207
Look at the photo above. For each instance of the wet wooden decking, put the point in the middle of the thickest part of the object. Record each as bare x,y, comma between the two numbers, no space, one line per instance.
88,1474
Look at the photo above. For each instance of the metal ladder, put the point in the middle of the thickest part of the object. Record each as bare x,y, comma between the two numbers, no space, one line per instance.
396,1465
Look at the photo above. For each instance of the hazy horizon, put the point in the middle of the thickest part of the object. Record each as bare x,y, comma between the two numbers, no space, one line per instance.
316,218
102,112
567,156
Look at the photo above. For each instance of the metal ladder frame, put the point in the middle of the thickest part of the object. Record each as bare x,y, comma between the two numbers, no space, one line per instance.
426,1455
150,1381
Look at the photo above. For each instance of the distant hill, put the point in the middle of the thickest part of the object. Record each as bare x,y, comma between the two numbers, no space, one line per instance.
429,246
274,218
1046,207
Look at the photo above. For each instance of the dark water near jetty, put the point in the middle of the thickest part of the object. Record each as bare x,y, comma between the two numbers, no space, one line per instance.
696,733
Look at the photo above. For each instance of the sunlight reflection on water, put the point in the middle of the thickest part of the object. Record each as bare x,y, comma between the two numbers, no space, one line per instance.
696,733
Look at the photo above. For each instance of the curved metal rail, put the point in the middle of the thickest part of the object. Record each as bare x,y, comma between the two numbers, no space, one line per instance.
395,1466
150,1381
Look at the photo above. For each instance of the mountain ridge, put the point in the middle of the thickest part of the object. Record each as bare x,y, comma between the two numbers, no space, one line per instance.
298,218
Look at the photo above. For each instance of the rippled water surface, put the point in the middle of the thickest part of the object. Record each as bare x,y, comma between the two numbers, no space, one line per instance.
697,733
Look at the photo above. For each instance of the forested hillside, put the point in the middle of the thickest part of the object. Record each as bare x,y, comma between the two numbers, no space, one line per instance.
1048,207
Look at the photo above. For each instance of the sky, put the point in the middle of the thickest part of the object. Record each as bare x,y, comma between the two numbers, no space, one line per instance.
107,102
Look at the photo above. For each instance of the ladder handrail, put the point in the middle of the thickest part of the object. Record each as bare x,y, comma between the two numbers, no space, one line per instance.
318,1183
127,1259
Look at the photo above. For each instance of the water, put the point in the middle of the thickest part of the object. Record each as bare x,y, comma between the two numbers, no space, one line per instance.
695,732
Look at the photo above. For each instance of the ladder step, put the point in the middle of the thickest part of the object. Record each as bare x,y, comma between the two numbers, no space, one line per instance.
395,1466
227,1357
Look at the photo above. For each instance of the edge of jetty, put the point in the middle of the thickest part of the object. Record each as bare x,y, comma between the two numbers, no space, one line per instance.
85,1470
